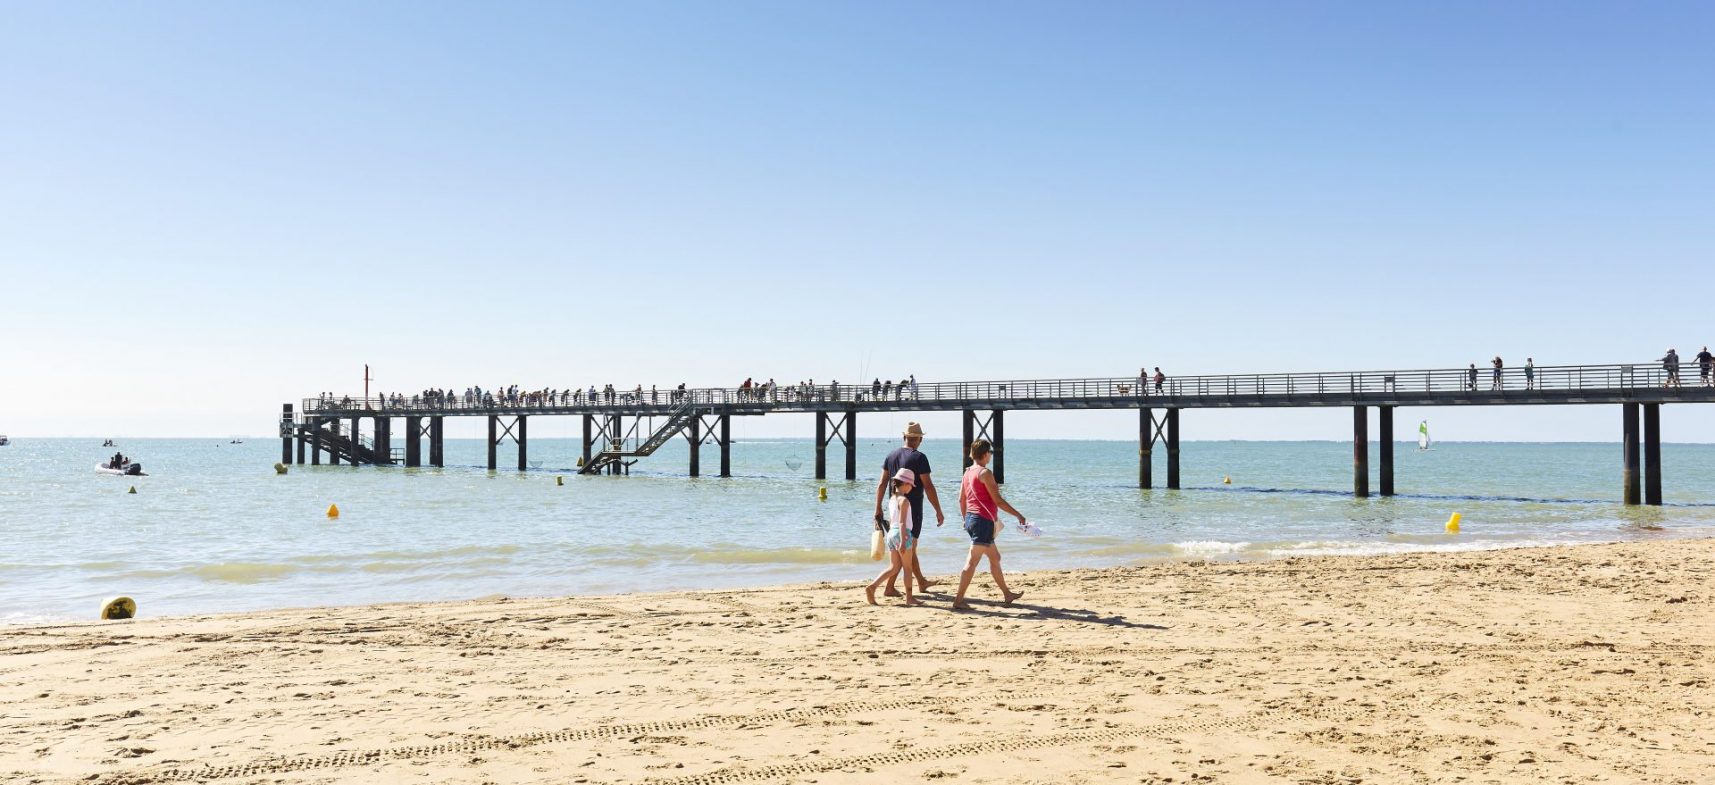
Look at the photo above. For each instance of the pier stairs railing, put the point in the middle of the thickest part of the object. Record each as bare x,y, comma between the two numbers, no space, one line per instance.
616,451
360,453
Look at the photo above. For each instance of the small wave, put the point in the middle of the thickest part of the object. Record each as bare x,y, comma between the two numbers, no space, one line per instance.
779,556
1210,548
1386,548
242,572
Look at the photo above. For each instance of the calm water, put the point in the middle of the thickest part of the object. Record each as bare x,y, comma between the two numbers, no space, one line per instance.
214,529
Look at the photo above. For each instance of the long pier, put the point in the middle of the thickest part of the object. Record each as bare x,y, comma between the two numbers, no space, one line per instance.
620,428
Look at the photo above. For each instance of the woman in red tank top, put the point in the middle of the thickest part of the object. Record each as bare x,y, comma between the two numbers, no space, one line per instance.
979,498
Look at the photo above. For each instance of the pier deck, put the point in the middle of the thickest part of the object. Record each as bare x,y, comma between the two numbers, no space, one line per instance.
621,427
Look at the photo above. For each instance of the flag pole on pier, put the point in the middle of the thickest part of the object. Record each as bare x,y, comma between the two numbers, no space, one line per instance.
366,380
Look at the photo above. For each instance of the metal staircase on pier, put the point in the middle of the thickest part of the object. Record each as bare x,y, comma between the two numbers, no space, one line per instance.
616,451
363,452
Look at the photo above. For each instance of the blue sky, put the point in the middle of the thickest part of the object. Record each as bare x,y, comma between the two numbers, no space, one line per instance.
207,210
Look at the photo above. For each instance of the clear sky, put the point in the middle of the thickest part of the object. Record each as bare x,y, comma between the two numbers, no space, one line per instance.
208,209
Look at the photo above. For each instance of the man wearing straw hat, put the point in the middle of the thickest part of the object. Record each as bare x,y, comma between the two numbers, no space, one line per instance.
908,457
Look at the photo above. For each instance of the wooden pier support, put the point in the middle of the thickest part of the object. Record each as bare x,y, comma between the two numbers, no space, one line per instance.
997,423
994,430
384,441
437,442
413,442
726,445
844,428
1384,420
696,437
301,446
333,430
356,440
286,433
851,445
1173,448
1361,452
497,433
589,427
493,456
1629,452
968,419
1652,453
821,446
522,437
316,441
1145,447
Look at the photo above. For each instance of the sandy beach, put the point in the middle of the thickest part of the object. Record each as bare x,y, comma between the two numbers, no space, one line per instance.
1577,664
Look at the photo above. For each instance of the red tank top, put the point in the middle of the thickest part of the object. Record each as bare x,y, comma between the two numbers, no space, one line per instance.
977,497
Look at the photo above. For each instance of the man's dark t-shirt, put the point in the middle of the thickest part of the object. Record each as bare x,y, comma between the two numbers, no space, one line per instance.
918,463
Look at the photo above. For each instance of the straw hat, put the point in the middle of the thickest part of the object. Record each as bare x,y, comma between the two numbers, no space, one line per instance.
913,431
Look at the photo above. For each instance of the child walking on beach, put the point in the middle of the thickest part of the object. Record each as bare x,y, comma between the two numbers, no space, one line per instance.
979,497
899,539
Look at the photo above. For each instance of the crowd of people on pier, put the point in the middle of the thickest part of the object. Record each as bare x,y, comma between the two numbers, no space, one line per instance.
514,397
1149,381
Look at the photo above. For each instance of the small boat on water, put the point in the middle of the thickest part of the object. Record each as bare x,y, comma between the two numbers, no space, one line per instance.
126,469
4,441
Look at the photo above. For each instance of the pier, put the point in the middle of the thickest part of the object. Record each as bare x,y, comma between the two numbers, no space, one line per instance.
620,428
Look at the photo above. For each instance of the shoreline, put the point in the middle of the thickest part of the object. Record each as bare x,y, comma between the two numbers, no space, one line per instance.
1187,551
1583,662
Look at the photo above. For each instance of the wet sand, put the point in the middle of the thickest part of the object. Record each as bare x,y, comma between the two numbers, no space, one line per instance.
1568,665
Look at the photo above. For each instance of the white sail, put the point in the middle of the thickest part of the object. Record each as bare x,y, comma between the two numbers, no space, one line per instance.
1423,435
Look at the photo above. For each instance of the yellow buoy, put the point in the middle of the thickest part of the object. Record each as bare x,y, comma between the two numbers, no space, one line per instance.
119,608
822,494
1453,524
133,489
279,468
559,481
333,511
1228,480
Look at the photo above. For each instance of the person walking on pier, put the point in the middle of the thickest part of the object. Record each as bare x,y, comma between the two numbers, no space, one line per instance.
908,457
1471,381
1160,379
1529,373
1670,363
979,504
1495,378
1705,362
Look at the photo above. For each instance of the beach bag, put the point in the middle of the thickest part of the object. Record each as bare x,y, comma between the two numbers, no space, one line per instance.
877,545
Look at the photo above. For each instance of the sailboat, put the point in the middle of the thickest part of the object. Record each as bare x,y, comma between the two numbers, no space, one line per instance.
1423,435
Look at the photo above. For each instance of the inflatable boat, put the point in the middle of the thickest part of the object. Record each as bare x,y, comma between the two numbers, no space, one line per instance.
126,469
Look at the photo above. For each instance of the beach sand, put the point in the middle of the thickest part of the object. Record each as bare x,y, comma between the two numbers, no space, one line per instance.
1566,665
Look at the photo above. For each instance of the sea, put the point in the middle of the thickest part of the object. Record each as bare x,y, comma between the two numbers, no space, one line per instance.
214,528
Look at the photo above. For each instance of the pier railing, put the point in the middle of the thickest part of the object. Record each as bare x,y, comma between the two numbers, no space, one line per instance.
1515,381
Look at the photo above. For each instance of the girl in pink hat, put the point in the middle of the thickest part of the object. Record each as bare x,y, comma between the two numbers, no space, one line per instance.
899,539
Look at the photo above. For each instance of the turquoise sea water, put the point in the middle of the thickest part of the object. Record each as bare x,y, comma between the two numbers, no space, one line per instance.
214,529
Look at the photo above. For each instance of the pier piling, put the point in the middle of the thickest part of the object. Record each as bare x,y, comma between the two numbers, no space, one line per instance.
696,439
821,446
437,442
521,436
726,445
1652,453
1360,452
1145,447
1384,420
493,457
413,442
1629,452
286,433
1173,449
